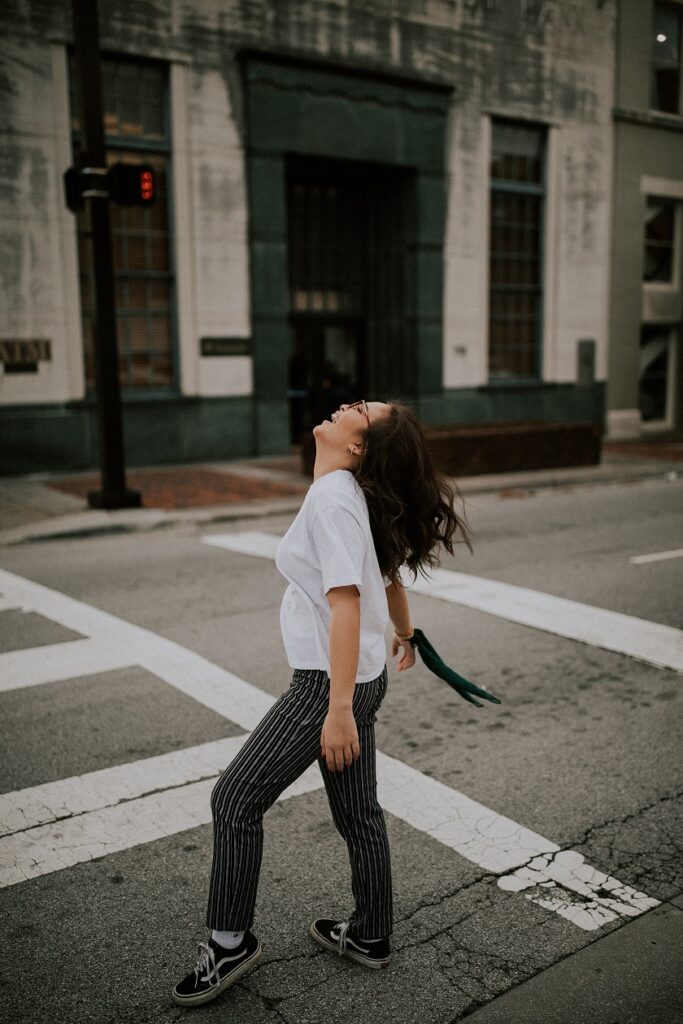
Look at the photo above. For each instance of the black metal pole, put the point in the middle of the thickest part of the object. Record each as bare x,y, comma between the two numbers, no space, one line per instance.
114,493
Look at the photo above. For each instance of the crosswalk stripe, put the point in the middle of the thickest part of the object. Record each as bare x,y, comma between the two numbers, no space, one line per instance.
646,641
54,662
64,798
259,545
481,835
83,837
656,556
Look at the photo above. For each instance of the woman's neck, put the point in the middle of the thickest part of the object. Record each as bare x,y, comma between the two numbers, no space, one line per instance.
327,462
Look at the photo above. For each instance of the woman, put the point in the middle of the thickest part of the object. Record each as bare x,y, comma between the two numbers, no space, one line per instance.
375,504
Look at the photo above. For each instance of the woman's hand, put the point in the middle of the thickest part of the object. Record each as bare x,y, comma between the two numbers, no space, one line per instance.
339,739
408,656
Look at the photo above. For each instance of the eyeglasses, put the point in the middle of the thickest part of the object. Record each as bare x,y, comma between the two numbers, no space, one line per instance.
362,408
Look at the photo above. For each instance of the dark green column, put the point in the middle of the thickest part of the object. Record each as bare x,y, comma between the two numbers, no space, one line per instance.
269,300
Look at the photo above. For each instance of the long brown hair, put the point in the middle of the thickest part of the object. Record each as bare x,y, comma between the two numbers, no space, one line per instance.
409,501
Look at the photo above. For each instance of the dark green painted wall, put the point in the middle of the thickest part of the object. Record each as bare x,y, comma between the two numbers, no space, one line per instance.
516,403
36,438
307,111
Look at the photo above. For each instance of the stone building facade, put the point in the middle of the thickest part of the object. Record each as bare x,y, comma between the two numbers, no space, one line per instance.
645,370
379,198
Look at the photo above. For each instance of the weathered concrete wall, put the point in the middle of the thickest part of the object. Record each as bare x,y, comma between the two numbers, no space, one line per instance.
648,152
38,286
546,60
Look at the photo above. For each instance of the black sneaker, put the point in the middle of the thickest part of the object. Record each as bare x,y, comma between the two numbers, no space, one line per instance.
217,969
336,935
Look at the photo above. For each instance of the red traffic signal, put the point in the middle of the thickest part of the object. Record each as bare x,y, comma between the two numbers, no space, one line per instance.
132,184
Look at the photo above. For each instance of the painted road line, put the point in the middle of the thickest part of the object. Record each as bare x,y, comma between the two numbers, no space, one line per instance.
560,880
645,641
481,835
55,662
656,556
64,798
83,837
260,545
214,687
599,897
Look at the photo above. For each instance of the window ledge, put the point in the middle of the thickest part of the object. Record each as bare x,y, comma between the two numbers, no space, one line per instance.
649,118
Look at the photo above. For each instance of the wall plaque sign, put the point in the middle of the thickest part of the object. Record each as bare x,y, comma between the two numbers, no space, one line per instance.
22,355
225,346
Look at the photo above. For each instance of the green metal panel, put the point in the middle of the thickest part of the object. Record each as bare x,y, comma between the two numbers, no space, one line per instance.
430,200
270,295
429,281
429,370
267,182
272,421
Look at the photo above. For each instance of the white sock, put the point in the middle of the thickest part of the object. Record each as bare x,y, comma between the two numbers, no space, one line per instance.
228,940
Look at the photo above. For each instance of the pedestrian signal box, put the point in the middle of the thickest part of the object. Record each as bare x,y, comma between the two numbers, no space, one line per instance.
132,184
125,184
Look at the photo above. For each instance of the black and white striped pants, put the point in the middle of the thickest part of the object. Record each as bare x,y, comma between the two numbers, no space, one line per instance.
281,747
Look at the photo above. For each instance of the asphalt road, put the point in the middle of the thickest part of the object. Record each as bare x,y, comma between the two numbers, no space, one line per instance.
584,751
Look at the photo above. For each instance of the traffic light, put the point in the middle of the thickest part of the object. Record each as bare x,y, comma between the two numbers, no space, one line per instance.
132,184
125,184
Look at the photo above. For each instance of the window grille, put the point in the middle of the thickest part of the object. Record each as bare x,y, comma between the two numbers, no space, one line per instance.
325,249
515,249
660,235
136,125
658,346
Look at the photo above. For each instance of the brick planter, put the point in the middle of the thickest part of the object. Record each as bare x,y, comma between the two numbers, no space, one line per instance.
471,449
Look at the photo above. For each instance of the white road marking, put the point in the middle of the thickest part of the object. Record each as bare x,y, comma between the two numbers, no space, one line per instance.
601,898
84,837
656,556
261,545
53,662
645,641
51,801
481,835
208,684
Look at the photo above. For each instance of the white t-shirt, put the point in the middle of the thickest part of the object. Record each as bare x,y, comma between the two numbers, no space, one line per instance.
330,544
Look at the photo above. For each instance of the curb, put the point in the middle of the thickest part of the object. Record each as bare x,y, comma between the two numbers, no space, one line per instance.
92,523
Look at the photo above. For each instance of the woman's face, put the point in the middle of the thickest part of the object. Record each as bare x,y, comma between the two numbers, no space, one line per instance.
348,424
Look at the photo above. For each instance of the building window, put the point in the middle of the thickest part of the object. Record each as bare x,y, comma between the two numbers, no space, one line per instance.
666,58
658,349
660,239
135,97
325,232
515,249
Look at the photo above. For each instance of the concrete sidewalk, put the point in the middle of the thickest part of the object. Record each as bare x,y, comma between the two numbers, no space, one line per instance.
49,506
